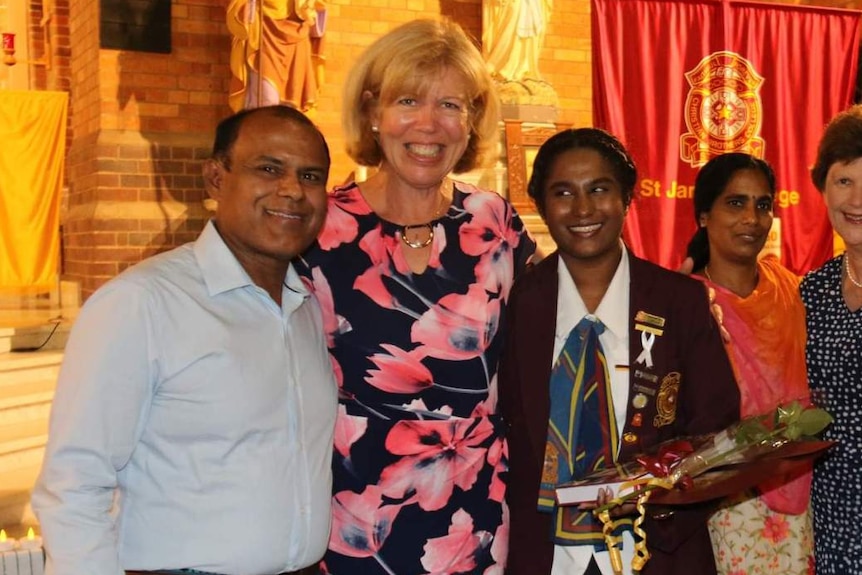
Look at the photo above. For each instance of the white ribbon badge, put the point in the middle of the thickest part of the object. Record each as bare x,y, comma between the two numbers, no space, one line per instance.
647,341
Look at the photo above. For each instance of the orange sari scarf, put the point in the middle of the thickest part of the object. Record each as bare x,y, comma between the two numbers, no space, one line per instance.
767,350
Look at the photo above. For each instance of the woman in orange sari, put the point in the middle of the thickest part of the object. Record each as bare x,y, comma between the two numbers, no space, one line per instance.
763,321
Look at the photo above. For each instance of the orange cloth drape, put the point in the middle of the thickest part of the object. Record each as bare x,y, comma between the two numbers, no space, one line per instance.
32,154
767,349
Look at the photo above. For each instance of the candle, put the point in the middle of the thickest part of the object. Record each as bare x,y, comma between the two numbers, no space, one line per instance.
29,562
25,558
6,544
32,541
9,42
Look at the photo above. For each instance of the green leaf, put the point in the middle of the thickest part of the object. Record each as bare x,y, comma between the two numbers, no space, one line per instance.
812,421
750,431
790,413
793,432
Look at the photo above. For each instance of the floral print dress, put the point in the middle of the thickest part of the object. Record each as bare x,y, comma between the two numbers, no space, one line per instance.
419,450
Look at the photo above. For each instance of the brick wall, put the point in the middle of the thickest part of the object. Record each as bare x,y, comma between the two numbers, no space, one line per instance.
136,194
58,76
143,122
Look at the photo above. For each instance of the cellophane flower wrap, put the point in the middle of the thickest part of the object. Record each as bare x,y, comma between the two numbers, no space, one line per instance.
746,440
676,463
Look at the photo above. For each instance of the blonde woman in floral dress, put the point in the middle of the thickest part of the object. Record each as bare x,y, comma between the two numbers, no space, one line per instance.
413,271
768,531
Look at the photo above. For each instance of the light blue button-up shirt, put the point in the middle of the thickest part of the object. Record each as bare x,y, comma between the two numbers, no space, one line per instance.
206,408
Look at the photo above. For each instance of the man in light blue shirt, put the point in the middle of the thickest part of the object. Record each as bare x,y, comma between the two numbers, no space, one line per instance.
196,386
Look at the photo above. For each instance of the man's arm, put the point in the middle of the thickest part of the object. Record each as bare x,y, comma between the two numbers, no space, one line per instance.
103,393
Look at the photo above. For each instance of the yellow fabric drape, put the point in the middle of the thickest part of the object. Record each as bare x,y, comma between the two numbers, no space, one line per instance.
32,154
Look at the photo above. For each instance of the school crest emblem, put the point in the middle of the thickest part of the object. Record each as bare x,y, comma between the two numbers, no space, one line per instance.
723,109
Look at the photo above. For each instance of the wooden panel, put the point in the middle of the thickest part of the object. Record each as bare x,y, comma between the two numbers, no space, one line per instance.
522,142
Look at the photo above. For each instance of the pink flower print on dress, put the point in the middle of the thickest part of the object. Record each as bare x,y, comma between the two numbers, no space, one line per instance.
489,406
340,227
459,326
438,455
350,200
498,452
394,252
348,430
439,245
360,523
371,281
500,546
398,371
498,457
490,235
775,528
333,324
417,405
455,552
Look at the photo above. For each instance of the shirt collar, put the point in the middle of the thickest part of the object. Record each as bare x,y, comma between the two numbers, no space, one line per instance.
221,270
295,288
612,310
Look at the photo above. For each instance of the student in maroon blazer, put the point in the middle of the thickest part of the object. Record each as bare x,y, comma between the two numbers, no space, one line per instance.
582,184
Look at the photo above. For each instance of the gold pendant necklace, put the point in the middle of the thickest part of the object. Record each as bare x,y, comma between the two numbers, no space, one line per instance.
849,273
417,245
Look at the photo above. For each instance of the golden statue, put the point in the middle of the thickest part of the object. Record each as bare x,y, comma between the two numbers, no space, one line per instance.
276,52
513,32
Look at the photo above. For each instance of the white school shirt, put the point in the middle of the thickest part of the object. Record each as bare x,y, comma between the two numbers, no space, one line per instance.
613,311
207,408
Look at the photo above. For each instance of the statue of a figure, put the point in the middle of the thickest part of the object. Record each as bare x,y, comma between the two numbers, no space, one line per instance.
513,32
276,52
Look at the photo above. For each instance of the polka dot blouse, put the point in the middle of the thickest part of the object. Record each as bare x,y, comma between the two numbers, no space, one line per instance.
834,355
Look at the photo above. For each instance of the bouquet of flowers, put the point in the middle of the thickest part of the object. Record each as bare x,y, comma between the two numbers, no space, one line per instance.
677,464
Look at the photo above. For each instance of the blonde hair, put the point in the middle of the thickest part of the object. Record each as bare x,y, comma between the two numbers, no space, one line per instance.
408,59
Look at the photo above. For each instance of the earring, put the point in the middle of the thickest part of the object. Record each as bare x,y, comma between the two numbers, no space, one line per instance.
375,129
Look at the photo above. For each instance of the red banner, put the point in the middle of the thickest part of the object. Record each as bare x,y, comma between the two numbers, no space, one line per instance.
680,81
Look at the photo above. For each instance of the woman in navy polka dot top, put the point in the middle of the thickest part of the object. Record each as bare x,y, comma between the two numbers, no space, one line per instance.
833,299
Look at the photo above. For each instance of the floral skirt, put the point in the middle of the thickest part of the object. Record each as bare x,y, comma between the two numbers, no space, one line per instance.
748,538
418,496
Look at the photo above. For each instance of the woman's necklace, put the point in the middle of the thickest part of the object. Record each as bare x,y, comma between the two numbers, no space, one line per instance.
706,271
428,226
849,273
417,244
